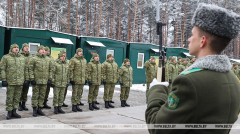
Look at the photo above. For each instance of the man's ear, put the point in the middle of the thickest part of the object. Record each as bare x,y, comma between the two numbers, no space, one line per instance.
203,41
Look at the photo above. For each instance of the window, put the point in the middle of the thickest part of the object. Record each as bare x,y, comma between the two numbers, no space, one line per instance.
33,47
109,51
140,60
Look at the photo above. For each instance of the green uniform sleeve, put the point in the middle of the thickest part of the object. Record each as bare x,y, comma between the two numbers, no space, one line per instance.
3,68
162,109
50,70
146,64
71,66
86,71
89,72
68,76
120,75
104,70
54,72
26,69
31,66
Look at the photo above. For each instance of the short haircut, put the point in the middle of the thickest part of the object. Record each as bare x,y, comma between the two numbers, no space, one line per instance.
217,43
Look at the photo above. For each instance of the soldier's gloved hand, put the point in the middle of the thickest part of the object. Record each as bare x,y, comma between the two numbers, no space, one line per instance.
67,85
89,82
25,83
52,85
49,82
155,82
33,82
170,81
72,82
85,81
121,83
4,84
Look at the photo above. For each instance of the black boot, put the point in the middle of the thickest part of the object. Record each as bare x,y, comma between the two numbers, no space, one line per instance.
55,110
90,106
9,115
125,103
106,104
20,106
64,105
79,109
110,105
74,108
96,102
81,104
111,101
39,111
94,106
60,110
35,111
122,103
45,105
24,106
14,114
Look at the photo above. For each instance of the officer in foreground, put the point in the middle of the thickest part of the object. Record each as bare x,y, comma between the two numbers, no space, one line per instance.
207,92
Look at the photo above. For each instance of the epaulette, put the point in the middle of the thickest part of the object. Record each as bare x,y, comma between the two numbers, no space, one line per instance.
192,71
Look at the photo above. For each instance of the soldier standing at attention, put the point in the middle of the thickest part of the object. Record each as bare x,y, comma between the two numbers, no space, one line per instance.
166,66
151,71
23,99
40,71
235,69
94,80
65,93
110,78
125,80
60,82
182,66
179,62
172,71
14,76
78,77
49,57
206,90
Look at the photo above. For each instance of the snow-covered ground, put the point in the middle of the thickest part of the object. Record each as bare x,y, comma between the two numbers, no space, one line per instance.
135,87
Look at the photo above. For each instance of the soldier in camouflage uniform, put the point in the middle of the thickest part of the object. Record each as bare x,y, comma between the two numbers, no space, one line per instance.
188,63
78,77
94,80
40,70
60,82
125,80
110,78
13,77
49,57
65,93
173,72
235,69
179,62
25,52
151,71
166,71
182,66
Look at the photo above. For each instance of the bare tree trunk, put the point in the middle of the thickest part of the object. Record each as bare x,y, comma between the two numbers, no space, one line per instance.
129,21
33,13
105,18
29,10
68,27
90,19
141,28
16,13
76,19
11,12
44,16
113,17
119,27
100,20
135,19
79,18
176,35
86,17
94,16
136,25
184,22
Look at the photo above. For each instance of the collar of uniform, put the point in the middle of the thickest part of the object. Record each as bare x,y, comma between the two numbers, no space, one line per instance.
14,54
78,57
41,55
23,53
153,63
94,61
109,61
218,63
60,61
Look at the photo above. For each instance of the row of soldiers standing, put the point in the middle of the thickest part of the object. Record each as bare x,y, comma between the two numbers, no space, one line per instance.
19,69
173,67
236,69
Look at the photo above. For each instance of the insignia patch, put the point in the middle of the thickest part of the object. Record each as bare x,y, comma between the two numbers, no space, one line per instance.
172,101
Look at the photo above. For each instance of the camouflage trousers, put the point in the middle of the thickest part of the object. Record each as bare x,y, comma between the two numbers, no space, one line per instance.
13,97
58,96
108,92
38,95
65,93
24,93
77,94
124,93
93,93
148,85
47,93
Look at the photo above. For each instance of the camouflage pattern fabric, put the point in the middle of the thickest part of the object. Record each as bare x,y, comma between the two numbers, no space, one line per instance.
76,93
124,93
166,71
236,71
148,85
13,97
93,93
126,75
61,73
24,93
48,86
181,68
173,72
58,96
108,92
94,72
151,71
38,94
65,93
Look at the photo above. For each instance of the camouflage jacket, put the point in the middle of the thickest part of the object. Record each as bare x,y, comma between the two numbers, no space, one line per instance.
110,72
13,69
61,73
94,72
166,71
151,71
27,57
181,68
236,71
40,69
172,70
126,75
78,69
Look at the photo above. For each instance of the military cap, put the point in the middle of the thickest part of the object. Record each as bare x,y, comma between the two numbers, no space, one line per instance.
152,57
79,50
13,46
179,58
109,55
165,57
46,48
126,60
234,64
63,51
24,45
170,58
217,20
41,47
192,57
183,59
60,55
95,55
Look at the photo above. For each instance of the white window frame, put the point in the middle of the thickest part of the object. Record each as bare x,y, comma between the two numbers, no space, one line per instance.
142,60
30,43
111,50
